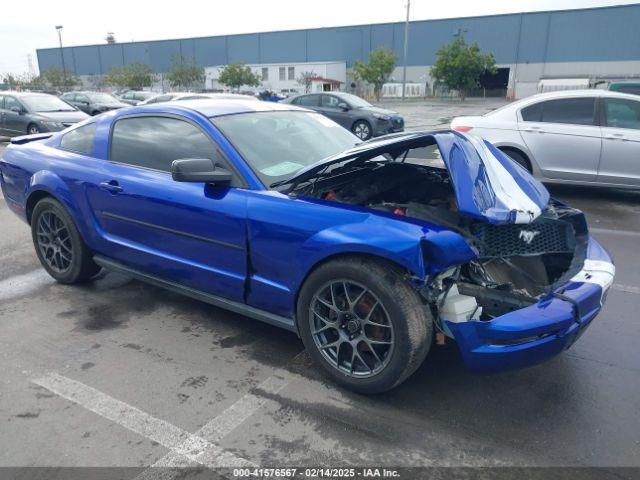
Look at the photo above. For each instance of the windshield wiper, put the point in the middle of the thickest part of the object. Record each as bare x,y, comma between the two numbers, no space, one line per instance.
53,111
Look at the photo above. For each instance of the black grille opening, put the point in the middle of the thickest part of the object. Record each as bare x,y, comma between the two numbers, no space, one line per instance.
544,237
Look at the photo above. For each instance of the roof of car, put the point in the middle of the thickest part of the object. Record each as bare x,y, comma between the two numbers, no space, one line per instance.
24,94
591,92
210,107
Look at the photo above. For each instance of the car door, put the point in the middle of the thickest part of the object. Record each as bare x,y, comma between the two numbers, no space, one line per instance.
564,137
192,233
16,119
620,162
336,109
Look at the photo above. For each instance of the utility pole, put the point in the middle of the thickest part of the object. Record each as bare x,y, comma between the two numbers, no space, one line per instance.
64,70
406,48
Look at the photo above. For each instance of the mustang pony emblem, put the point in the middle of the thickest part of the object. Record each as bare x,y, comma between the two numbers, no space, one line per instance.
527,236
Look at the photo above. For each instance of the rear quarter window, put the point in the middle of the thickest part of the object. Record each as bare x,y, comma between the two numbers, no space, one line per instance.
79,140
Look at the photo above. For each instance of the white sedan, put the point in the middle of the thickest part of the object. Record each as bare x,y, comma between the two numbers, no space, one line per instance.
587,137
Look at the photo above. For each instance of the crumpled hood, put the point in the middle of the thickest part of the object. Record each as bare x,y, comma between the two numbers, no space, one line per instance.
488,184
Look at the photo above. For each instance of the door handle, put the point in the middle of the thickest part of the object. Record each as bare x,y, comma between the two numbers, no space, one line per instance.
615,136
534,129
111,186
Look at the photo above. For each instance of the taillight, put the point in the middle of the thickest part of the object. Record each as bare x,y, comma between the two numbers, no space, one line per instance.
462,129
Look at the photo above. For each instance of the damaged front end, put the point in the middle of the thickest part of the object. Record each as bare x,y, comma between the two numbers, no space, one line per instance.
536,278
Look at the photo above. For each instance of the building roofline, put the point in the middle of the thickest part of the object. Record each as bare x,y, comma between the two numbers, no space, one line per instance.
473,17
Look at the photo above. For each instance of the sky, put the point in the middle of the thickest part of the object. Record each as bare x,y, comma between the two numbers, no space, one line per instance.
22,32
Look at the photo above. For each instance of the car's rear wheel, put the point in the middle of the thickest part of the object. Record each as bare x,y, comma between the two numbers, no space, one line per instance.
59,246
32,129
362,130
363,323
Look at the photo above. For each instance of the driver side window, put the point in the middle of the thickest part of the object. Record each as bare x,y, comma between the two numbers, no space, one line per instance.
155,142
329,101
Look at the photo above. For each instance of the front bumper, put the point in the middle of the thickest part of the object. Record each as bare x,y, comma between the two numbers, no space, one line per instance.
384,127
536,333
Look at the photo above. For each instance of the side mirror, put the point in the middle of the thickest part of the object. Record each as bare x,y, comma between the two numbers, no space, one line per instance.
17,110
344,107
199,170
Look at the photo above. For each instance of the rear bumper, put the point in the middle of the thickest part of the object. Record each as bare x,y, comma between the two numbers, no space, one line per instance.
536,333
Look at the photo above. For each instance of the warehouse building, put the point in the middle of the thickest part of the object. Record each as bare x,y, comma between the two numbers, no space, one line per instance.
587,44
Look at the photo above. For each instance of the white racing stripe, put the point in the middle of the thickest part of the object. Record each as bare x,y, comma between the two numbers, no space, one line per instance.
179,441
24,284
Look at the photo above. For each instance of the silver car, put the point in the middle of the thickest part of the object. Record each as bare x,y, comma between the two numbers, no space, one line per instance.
586,137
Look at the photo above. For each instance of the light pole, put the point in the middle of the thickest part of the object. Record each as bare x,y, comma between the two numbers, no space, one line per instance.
64,70
406,47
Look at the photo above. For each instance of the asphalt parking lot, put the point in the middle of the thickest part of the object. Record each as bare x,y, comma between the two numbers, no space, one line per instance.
119,373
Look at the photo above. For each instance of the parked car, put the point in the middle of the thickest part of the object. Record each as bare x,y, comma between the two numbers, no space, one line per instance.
625,87
586,137
180,96
133,97
93,103
278,213
24,113
352,112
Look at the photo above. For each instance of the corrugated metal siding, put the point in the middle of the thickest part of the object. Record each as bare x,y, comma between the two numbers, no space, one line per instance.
562,36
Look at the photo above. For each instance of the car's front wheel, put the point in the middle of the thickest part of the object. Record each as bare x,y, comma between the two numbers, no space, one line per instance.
363,323
362,130
32,129
59,246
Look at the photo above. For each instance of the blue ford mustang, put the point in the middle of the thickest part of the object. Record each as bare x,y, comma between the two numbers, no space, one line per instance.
366,250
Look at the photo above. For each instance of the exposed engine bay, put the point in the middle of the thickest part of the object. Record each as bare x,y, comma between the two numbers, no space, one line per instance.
516,264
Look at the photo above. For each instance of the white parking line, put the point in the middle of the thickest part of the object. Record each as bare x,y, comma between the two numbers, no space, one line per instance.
214,431
179,441
23,284
626,288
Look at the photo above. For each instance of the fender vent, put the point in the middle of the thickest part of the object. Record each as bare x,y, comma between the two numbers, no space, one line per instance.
547,236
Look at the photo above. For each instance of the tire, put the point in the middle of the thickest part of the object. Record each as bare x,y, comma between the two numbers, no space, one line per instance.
32,129
400,324
58,244
519,158
362,129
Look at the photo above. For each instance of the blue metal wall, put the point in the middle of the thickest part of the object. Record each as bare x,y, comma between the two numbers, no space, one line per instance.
595,34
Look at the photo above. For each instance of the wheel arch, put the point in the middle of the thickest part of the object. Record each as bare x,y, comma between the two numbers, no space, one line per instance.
506,147
344,255
47,184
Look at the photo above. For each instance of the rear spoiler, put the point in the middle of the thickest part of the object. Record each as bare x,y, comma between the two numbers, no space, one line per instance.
21,140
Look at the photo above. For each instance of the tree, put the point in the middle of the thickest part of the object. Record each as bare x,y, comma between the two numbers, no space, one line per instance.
59,79
135,76
184,72
377,70
235,75
459,66
305,79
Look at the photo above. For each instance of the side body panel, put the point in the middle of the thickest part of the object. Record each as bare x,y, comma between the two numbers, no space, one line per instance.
288,237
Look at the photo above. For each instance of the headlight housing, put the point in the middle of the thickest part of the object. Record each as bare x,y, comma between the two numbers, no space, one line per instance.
382,116
52,124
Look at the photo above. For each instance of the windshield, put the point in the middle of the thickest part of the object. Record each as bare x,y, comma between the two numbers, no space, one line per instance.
102,98
278,144
46,103
354,101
